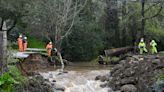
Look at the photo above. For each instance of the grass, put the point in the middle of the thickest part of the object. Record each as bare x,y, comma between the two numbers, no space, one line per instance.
35,43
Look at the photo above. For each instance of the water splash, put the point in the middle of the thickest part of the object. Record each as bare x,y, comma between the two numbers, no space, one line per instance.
78,81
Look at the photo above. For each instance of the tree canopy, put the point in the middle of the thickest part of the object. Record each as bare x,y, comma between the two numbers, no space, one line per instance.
82,29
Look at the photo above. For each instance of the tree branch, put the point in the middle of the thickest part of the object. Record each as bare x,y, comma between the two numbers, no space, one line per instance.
14,23
146,18
68,31
155,14
150,7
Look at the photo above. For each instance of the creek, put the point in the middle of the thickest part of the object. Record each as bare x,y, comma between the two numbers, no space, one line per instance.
78,78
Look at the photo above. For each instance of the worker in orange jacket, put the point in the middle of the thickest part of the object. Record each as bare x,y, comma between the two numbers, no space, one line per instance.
49,48
20,43
24,43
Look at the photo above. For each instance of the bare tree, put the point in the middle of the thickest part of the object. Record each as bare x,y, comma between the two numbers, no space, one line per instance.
57,18
65,21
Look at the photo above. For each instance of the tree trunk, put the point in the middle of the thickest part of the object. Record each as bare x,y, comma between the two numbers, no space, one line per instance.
58,42
112,23
61,60
124,31
3,51
143,20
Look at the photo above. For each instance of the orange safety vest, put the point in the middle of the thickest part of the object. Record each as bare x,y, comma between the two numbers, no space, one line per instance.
24,45
49,48
20,44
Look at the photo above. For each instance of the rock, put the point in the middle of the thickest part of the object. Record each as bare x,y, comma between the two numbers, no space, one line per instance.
65,71
102,78
128,88
110,90
53,80
133,71
46,80
156,61
103,85
98,77
158,86
35,84
129,72
50,75
128,80
122,61
59,87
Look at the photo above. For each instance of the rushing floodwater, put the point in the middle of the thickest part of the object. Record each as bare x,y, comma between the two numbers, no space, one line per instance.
79,78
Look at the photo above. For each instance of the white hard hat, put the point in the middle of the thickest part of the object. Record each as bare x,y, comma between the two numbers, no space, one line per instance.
50,42
20,35
142,40
25,37
152,40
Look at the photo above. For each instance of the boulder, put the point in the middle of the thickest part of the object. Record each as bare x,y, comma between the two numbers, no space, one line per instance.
102,78
34,84
104,85
98,77
128,88
158,86
59,87
136,70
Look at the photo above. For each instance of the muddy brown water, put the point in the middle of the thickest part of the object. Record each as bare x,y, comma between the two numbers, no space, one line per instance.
80,77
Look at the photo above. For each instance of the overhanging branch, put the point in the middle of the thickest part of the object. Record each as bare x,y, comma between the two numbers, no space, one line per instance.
14,23
150,7
146,18
159,11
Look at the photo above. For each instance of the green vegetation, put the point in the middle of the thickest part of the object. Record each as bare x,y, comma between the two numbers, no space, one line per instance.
160,77
16,74
10,79
35,43
6,83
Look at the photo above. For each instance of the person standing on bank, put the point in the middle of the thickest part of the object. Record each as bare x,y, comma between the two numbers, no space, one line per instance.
49,48
25,43
142,46
20,43
153,47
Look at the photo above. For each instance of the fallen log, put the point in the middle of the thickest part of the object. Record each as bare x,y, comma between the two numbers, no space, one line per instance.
118,51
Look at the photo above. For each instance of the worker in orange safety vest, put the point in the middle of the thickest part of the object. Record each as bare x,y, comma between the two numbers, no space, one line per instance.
49,48
20,43
24,43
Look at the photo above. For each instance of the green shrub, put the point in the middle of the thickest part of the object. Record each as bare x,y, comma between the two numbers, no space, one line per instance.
35,43
84,44
11,79
6,83
160,77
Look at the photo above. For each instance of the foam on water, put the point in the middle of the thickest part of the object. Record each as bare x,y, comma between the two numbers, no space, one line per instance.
78,81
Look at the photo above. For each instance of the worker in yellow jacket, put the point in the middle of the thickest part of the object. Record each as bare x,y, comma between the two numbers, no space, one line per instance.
142,46
153,46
